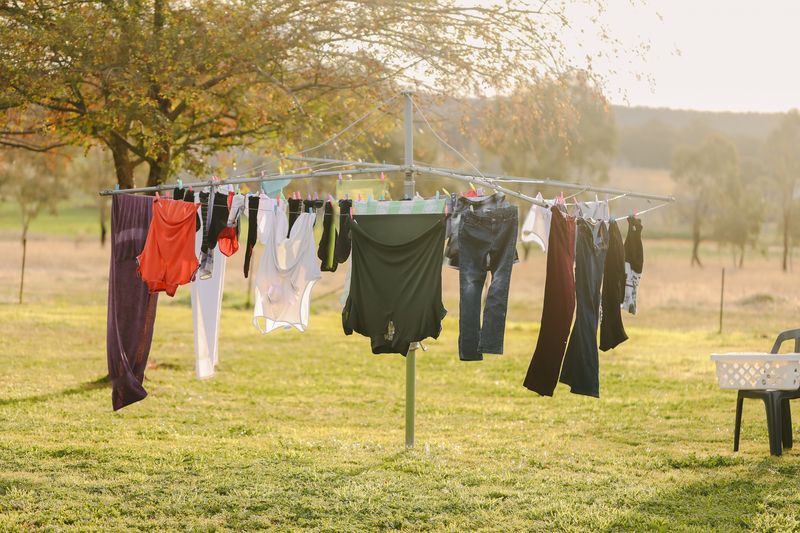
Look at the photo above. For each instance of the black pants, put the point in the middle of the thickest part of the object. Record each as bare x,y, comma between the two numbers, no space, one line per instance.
612,331
487,243
581,363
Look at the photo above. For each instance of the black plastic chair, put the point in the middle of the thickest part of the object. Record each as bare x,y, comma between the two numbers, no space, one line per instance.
776,402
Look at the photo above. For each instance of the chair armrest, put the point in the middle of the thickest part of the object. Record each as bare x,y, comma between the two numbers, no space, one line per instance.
784,336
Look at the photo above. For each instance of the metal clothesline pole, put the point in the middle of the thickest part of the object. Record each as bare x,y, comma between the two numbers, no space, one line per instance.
428,169
408,194
548,183
256,179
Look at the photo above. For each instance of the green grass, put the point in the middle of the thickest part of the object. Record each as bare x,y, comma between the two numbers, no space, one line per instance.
305,431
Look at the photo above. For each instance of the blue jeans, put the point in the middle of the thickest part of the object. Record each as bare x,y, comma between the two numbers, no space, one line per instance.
487,243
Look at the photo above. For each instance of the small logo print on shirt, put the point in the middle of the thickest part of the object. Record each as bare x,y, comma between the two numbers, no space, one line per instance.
389,335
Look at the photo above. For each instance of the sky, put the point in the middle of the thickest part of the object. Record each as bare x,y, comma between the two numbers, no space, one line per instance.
716,55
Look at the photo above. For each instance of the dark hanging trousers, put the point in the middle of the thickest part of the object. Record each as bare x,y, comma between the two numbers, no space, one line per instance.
581,363
131,306
558,308
487,242
612,331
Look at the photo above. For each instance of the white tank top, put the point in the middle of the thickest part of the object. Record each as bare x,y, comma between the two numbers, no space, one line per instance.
287,271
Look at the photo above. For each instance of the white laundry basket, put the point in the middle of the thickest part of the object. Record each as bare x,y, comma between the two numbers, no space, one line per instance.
758,371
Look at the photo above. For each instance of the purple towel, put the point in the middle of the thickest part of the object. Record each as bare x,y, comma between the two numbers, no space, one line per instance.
131,307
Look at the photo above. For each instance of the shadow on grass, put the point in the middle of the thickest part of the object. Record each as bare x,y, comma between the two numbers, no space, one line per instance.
99,383
727,501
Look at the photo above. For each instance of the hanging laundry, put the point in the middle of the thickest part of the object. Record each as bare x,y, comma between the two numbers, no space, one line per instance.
342,248
597,210
558,307
487,243
287,271
131,305
206,308
168,258
461,204
612,331
179,193
581,363
215,220
634,261
536,228
327,244
252,229
228,239
396,286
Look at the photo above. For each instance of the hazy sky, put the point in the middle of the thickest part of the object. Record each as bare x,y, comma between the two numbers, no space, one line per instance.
738,55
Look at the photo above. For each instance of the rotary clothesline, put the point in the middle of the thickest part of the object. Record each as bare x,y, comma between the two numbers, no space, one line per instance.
410,169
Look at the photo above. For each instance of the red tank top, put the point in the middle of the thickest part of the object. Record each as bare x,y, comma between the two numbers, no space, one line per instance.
168,258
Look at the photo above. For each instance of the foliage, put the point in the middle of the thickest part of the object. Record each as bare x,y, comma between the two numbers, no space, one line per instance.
738,209
703,170
170,83
560,129
32,182
783,157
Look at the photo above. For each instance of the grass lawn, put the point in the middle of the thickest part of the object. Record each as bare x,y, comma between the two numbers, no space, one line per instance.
305,431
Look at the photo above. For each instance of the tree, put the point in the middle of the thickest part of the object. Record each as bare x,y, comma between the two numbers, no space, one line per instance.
560,128
739,210
92,171
783,158
169,83
702,170
29,181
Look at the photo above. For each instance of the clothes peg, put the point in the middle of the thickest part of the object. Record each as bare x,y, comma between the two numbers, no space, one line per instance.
180,183
369,198
340,177
116,186
345,195
359,197
383,176
330,198
437,195
316,196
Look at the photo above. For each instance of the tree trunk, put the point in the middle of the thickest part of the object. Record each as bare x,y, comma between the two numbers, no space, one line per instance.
24,253
159,167
696,240
103,208
787,219
123,166
741,256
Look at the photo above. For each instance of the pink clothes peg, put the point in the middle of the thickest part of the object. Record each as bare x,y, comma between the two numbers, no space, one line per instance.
383,176
359,197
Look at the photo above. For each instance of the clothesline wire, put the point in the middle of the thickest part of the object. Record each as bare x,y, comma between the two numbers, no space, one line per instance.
441,140
324,143
639,213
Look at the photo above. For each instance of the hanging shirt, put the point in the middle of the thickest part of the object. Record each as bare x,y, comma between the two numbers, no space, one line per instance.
536,228
287,271
597,210
396,287
168,258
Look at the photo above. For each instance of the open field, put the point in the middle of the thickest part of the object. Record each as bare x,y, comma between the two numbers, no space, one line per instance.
305,431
